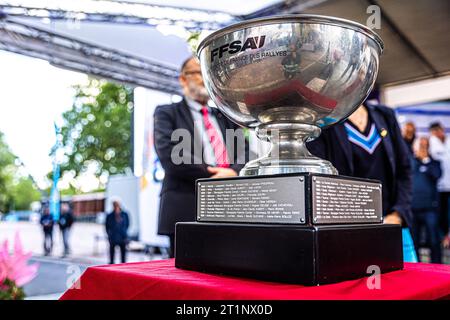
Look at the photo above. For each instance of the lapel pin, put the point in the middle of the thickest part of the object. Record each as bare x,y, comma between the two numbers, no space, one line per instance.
383,133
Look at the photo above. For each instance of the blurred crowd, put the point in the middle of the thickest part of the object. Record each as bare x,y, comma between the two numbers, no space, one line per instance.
64,222
116,226
430,162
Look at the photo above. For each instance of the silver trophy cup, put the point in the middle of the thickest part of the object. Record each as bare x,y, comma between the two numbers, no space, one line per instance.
289,77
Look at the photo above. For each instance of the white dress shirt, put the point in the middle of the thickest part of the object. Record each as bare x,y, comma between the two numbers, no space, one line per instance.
440,151
196,111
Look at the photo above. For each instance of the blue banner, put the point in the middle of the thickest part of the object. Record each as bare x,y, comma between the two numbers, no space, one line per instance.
54,195
54,201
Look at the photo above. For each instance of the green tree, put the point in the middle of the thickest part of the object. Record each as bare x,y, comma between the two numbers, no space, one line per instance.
24,192
96,133
7,169
16,191
193,41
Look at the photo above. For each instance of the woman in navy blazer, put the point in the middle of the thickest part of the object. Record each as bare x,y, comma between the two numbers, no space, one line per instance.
353,154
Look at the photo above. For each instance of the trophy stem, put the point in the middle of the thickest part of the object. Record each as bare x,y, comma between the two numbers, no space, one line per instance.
288,152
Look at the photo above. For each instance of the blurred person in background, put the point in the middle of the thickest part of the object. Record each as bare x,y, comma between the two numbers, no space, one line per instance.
117,223
440,151
47,223
425,200
446,241
65,223
409,135
207,127
369,145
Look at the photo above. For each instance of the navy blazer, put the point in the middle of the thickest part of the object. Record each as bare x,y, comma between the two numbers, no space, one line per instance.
425,177
333,145
117,232
177,201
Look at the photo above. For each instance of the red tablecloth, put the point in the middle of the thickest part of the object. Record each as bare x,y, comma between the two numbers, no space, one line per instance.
160,280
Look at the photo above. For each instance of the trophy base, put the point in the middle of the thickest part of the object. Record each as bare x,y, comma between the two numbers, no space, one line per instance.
307,255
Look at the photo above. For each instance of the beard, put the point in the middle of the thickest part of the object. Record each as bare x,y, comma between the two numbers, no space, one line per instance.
197,92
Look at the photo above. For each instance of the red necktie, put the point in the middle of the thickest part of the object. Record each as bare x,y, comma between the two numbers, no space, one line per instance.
220,151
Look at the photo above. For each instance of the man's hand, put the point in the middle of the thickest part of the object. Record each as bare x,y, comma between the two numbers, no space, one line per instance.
218,172
393,218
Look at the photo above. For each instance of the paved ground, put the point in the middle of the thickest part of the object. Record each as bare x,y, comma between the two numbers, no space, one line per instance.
82,238
53,279
56,274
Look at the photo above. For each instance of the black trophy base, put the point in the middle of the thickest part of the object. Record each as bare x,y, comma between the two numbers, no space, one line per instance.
291,254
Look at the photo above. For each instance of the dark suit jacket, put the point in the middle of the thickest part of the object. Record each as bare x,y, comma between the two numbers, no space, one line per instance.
425,177
177,201
117,232
334,146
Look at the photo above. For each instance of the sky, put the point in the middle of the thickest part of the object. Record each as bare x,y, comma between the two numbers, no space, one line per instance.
33,94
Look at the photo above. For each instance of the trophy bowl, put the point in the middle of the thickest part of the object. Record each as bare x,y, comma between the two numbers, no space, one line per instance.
288,77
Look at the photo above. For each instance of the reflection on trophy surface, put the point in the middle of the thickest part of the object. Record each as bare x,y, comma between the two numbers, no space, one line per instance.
289,77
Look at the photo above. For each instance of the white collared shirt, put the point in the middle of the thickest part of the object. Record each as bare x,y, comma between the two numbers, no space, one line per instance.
196,111
440,151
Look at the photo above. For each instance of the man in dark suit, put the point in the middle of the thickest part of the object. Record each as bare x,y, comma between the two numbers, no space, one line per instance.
204,128
117,223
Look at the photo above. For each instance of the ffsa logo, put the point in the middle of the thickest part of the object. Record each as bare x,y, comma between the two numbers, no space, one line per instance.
237,46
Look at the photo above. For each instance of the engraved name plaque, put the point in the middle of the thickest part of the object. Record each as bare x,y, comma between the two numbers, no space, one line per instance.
260,200
340,201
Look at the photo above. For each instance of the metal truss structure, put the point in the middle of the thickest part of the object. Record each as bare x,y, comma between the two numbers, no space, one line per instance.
107,11
73,54
68,53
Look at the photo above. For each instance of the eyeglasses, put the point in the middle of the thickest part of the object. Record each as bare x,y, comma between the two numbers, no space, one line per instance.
194,73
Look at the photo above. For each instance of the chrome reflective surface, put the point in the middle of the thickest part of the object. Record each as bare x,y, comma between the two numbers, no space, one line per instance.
289,77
